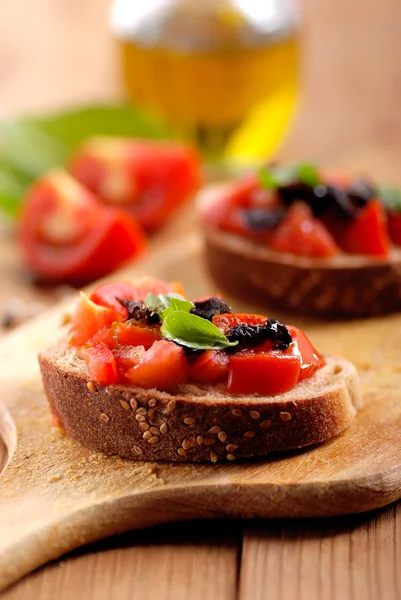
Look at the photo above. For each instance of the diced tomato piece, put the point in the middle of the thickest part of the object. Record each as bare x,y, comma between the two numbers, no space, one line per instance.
210,367
151,179
394,226
101,364
368,234
103,336
263,373
127,357
107,293
88,319
301,234
162,366
134,334
312,361
218,211
225,321
66,234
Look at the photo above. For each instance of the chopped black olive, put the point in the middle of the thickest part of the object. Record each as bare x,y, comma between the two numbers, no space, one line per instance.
139,312
296,191
360,191
207,309
260,219
255,335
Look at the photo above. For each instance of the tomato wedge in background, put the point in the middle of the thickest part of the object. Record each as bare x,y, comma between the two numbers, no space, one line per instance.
394,226
302,234
66,234
164,366
107,293
150,179
368,234
101,364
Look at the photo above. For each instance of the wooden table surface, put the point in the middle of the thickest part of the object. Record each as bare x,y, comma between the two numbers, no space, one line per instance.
55,52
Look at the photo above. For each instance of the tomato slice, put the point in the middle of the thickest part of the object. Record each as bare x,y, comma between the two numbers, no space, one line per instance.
225,321
394,226
107,293
301,234
127,357
162,366
263,373
210,367
133,334
88,319
150,179
67,235
101,364
311,360
368,234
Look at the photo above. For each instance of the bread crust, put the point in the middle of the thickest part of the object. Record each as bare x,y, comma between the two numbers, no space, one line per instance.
341,287
196,424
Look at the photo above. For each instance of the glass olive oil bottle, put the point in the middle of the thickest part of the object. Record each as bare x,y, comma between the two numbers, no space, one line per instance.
225,72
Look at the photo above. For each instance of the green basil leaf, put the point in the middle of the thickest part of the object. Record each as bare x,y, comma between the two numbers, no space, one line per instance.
193,331
30,146
274,177
390,196
308,174
177,304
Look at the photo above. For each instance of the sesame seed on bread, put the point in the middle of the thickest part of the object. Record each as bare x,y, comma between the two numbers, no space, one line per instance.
193,422
346,285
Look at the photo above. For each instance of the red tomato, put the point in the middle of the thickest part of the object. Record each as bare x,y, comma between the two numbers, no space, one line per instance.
163,366
368,233
88,319
133,334
107,293
210,367
101,364
394,226
66,234
103,336
150,179
225,321
301,234
127,357
263,373
310,357
222,212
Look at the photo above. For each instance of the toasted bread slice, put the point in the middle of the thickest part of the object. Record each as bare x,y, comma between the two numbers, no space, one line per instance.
346,285
194,422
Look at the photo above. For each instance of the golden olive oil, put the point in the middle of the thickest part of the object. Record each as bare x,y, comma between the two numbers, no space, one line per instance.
235,99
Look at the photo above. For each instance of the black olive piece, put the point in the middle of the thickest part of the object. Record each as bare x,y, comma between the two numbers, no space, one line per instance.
255,335
296,191
138,311
332,200
260,219
207,309
360,191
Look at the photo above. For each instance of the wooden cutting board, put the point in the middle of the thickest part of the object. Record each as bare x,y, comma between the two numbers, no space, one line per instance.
56,494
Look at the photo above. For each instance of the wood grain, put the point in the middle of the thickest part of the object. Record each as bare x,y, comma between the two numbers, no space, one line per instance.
338,559
188,561
351,75
54,484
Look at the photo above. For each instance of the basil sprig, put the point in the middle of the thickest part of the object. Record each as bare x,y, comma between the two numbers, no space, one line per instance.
274,177
183,327
192,331
390,196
